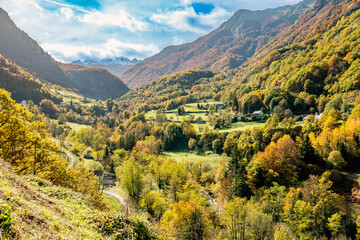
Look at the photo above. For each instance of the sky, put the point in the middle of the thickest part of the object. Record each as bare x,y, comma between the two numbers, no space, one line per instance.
95,29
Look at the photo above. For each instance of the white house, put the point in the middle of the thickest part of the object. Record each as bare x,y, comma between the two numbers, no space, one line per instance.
258,113
318,116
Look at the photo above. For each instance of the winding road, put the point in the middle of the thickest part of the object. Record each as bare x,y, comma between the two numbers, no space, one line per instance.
113,192
73,159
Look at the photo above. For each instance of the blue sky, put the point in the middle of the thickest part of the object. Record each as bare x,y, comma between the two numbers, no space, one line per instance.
84,29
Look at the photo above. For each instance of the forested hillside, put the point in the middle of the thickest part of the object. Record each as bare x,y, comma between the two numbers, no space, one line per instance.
305,75
227,47
41,196
21,84
25,52
96,83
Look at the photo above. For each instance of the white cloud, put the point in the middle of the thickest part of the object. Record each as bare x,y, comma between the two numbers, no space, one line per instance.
177,41
67,12
120,19
108,49
186,20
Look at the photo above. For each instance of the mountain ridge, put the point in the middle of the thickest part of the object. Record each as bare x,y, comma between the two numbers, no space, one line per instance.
107,61
220,48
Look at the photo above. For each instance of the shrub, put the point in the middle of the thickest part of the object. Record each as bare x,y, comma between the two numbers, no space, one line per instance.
122,227
6,218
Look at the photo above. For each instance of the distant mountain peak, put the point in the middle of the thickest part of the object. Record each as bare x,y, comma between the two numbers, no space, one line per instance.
107,61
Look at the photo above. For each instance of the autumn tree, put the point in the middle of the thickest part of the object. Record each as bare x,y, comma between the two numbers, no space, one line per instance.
190,221
235,218
154,204
48,107
278,163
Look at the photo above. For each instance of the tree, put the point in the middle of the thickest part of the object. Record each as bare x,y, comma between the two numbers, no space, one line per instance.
26,145
154,204
336,160
173,134
260,225
334,224
302,220
189,131
283,233
131,175
48,107
192,144
235,103
252,103
181,111
278,163
217,146
190,221
235,218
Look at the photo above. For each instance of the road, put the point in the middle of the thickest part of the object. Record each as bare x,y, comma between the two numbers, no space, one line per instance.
73,159
113,192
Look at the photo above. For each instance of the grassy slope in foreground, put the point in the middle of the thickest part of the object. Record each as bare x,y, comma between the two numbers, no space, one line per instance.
42,211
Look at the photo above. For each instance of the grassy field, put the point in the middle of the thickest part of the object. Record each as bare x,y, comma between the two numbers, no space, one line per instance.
74,97
77,126
69,96
45,211
240,126
211,159
190,109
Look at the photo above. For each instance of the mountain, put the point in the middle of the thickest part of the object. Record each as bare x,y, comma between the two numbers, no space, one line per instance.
317,55
25,52
18,47
322,59
107,61
87,79
22,85
228,46
324,15
116,66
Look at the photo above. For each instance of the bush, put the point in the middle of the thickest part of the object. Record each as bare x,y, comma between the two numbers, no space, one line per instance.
122,227
76,151
88,154
6,218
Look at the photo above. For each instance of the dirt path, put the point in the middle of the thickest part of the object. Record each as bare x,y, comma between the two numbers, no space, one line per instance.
73,159
113,192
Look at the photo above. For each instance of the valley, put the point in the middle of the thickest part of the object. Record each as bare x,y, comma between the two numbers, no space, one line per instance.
250,132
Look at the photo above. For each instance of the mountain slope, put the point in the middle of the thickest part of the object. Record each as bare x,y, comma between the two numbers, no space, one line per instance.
316,69
87,81
33,208
18,47
324,15
173,90
327,63
22,85
25,52
228,46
